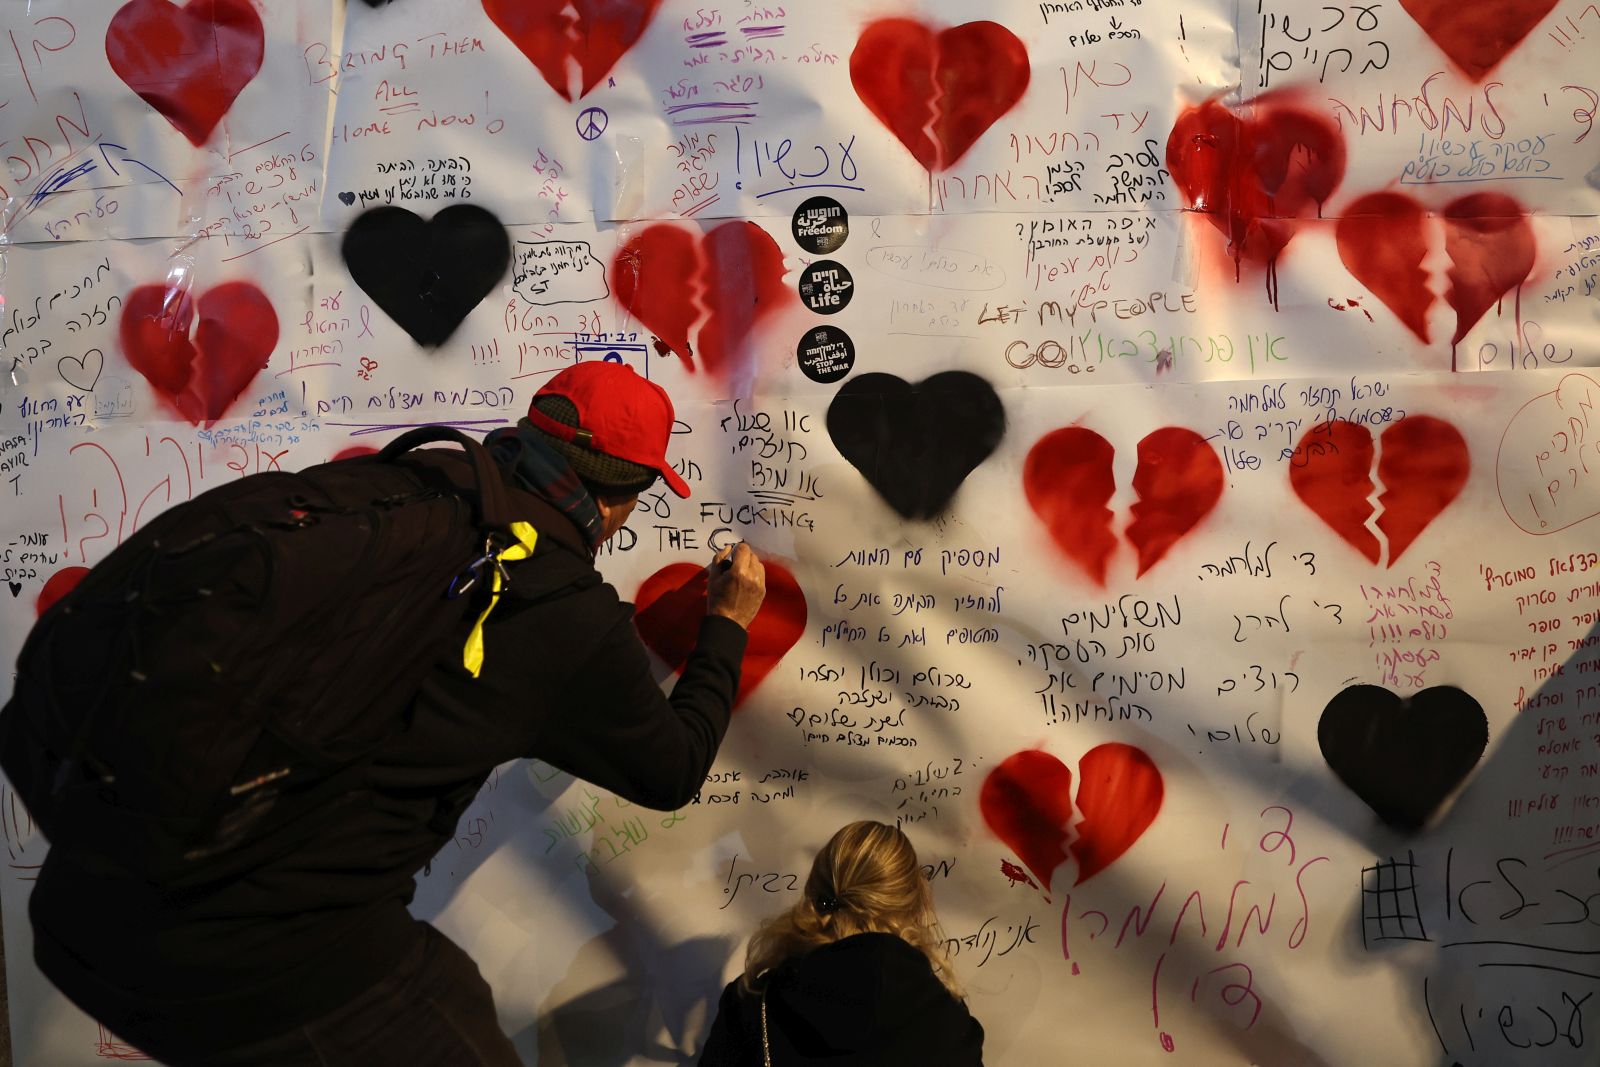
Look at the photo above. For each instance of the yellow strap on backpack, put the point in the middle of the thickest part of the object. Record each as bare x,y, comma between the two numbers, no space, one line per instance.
527,537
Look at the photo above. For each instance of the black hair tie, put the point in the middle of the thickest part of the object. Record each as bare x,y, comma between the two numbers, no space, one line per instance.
826,904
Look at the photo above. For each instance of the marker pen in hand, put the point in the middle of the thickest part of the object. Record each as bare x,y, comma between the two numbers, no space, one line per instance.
727,561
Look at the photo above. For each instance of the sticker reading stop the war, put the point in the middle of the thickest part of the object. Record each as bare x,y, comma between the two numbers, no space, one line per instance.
825,354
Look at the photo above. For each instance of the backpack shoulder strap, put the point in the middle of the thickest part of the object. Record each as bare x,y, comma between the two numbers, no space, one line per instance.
492,502
464,471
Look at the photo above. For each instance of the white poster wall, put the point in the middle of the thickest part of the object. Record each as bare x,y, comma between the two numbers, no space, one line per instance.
1239,355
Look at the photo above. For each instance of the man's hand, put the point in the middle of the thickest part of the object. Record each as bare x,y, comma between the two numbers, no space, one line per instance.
737,586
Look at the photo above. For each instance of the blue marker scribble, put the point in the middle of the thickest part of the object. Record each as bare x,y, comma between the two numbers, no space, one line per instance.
58,179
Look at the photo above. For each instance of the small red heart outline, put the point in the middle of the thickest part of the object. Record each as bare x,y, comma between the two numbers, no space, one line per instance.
671,602
199,378
189,63
1423,466
1382,241
1255,177
1068,481
726,283
1026,802
904,72
1477,36
596,33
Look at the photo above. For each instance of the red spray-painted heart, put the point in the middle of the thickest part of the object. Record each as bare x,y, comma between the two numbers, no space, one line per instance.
1026,801
733,276
552,33
1477,36
1331,473
199,378
1254,176
671,602
1068,481
1179,481
1491,249
189,63
57,586
1383,241
1423,467
938,92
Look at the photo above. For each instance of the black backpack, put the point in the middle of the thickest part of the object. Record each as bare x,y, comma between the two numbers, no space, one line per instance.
211,691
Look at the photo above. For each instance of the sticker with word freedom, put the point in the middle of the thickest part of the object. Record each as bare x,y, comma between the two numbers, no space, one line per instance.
821,225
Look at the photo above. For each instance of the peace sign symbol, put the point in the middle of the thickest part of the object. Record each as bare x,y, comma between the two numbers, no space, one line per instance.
592,122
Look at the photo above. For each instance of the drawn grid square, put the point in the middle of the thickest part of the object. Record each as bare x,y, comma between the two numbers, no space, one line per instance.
1390,910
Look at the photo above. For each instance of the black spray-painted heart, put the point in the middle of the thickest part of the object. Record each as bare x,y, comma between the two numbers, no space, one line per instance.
915,444
427,275
347,198
1402,757
16,589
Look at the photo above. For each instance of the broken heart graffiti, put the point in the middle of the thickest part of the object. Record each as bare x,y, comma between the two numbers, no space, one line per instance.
1028,803
1423,465
1383,239
1068,480
672,601
1255,172
553,34
199,377
717,288
1479,35
938,91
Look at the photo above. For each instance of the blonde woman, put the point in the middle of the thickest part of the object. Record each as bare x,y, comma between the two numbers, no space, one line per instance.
854,974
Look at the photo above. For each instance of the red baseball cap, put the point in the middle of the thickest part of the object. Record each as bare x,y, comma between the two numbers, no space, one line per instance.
619,414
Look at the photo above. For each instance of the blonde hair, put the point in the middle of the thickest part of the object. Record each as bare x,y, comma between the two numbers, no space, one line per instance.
866,879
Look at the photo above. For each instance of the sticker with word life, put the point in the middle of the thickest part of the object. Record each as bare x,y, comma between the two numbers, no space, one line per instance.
826,287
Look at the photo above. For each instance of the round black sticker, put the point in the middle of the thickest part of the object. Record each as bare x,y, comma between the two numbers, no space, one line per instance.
821,224
825,287
825,354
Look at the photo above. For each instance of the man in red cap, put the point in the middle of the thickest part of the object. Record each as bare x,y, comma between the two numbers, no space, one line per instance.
314,958
611,427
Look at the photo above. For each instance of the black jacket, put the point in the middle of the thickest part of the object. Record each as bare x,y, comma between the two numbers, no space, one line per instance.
565,679
871,1000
